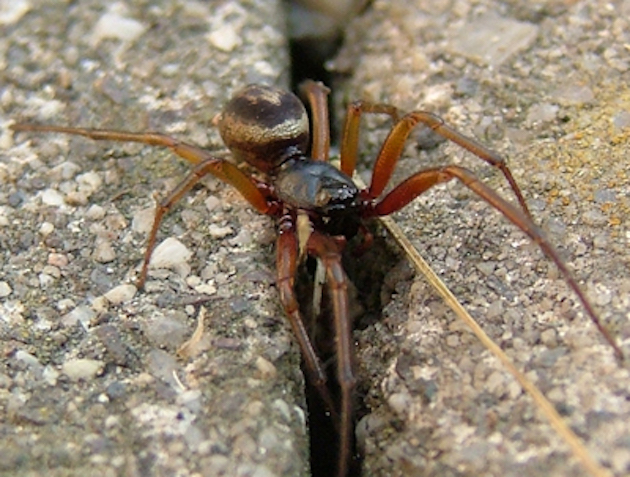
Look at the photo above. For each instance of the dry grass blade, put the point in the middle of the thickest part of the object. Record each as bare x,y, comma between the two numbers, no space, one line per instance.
190,348
577,447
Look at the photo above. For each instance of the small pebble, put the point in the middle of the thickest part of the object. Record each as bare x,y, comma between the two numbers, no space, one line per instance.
104,252
27,359
143,220
192,399
549,338
219,232
52,271
245,445
542,113
452,340
115,390
169,69
5,289
11,12
167,331
244,237
269,439
46,228
64,171
207,288
52,197
438,96
495,309
100,304
283,408
50,375
601,241
76,198
81,369
255,408
604,296
65,304
58,259
121,294
115,26
212,202
266,368
81,314
594,217
95,212
162,365
171,253
399,403
224,38
487,267
605,195
495,383
45,280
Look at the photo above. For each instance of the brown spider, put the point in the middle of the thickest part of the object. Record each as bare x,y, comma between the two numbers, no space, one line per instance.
318,207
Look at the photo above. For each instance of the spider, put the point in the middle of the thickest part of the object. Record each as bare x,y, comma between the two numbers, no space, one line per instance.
317,207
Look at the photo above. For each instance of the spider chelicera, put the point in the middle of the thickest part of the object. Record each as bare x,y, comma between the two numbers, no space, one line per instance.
318,207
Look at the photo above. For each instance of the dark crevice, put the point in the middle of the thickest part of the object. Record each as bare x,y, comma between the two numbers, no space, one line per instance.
367,296
307,62
367,293
308,57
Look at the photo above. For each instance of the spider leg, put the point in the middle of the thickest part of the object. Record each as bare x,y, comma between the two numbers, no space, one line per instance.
327,250
424,180
317,96
393,146
208,164
217,167
287,254
350,142
204,163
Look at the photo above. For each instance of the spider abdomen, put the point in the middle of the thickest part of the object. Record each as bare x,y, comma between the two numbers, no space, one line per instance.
264,125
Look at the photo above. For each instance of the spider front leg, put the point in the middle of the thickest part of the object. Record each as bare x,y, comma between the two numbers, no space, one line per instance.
204,162
422,181
350,141
217,167
393,145
287,253
316,94
328,251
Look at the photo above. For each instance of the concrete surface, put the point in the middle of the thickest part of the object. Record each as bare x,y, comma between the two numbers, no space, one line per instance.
90,379
546,84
